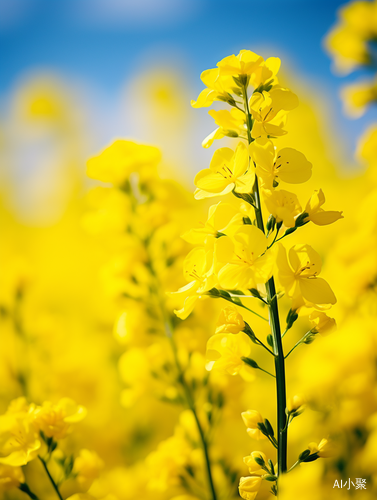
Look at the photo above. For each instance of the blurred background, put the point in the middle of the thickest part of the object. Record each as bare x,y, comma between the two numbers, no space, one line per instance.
129,69
74,76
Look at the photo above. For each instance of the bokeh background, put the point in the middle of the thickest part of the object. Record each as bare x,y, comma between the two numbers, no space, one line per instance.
74,76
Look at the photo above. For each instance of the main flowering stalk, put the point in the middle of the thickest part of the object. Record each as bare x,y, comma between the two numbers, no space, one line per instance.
274,323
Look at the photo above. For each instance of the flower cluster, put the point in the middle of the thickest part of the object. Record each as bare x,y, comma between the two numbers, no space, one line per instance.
350,43
238,254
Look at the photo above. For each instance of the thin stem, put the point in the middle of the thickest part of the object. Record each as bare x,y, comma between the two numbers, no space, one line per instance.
294,465
274,323
50,477
276,235
186,389
299,343
25,488
259,316
265,371
191,405
263,345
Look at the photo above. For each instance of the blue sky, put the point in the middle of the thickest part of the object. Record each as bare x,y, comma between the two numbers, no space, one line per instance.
102,43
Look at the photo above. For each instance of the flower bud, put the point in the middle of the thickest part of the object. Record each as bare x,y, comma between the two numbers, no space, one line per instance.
322,323
251,419
230,321
255,462
294,403
324,449
249,487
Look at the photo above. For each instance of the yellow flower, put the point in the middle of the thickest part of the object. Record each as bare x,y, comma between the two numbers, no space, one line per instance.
358,96
220,217
228,170
55,420
322,323
230,123
224,353
283,205
348,49
249,487
218,88
299,275
266,72
87,467
254,467
324,449
197,270
269,111
288,165
230,321
246,267
245,63
294,403
19,441
251,419
119,160
316,214
10,477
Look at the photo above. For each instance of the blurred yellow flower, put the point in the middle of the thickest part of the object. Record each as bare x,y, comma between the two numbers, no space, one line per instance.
55,420
119,160
224,353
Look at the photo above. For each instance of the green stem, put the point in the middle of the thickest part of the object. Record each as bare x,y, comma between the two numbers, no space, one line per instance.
299,343
263,345
50,477
186,389
275,325
25,488
191,405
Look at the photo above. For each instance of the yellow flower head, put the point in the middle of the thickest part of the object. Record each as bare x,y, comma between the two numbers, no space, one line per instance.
356,97
19,441
251,419
245,63
269,110
87,467
56,420
322,323
197,268
298,275
249,487
230,321
119,160
294,403
10,477
324,449
228,170
254,467
283,205
220,218
230,124
316,214
246,265
224,353
287,164
218,88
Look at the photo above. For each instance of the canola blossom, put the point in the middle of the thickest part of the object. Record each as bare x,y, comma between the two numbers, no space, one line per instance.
122,377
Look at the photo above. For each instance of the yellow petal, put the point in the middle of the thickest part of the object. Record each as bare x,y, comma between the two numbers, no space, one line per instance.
324,217
205,98
317,291
292,166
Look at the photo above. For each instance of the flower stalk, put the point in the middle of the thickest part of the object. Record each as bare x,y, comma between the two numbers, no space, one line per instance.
274,323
